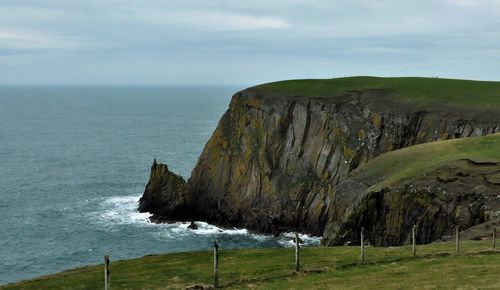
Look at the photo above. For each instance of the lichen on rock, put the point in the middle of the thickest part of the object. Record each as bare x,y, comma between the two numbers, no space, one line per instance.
284,162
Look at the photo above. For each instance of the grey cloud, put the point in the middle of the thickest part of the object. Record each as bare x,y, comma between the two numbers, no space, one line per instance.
246,41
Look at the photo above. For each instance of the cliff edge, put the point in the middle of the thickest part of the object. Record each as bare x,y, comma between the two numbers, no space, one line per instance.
283,153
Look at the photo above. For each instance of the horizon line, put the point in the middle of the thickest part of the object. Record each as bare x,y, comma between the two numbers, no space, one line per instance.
120,84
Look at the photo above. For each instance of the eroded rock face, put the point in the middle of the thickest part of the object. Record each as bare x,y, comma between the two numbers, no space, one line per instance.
456,195
165,195
274,163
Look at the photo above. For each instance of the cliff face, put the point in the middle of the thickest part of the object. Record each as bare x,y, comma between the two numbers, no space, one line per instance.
274,163
459,194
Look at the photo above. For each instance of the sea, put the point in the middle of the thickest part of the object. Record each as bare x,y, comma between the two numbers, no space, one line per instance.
74,161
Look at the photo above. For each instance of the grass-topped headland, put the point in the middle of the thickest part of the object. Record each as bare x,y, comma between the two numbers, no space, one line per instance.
435,266
449,184
281,157
398,166
473,94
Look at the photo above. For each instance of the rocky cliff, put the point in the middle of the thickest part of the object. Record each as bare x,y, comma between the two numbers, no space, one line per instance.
445,192
165,195
276,160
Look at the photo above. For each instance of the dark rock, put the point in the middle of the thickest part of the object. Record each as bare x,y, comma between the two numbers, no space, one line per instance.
435,206
193,226
279,164
165,195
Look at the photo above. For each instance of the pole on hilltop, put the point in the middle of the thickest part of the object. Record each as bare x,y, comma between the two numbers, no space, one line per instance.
297,253
107,273
362,244
216,264
414,244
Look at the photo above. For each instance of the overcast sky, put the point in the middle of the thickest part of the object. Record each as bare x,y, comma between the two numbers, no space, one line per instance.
245,42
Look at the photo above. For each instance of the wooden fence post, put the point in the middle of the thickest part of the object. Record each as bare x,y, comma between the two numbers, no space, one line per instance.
493,238
216,264
107,273
297,253
362,244
457,241
414,250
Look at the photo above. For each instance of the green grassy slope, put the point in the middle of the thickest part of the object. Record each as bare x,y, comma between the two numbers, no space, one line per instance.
478,94
322,268
400,165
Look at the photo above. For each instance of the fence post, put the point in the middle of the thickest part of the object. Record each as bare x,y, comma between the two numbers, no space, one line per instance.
107,273
297,253
216,264
457,241
362,245
414,250
493,238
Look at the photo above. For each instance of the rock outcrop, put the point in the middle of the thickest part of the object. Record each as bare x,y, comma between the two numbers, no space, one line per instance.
165,195
459,194
275,162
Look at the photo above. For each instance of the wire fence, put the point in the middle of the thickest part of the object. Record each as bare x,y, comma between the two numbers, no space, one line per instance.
362,241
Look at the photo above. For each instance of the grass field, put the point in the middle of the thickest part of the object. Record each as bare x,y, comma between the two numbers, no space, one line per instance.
472,94
399,165
436,266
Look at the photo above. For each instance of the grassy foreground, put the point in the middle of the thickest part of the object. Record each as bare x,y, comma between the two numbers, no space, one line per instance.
435,266
466,93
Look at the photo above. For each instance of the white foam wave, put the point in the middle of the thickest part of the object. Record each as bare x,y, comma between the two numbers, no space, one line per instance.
122,210
208,229
288,240
180,229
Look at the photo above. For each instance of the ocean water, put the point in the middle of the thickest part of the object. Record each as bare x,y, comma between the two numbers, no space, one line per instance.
74,161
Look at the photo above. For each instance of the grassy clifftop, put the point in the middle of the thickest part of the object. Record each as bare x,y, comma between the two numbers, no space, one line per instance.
322,268
401,165
473,94
438,186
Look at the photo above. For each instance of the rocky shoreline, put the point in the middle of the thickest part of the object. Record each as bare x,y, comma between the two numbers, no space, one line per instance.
287,163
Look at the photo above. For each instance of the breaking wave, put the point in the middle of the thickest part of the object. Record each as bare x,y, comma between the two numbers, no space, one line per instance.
119,211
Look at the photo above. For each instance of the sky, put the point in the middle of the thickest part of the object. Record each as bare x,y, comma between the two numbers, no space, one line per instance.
244,42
